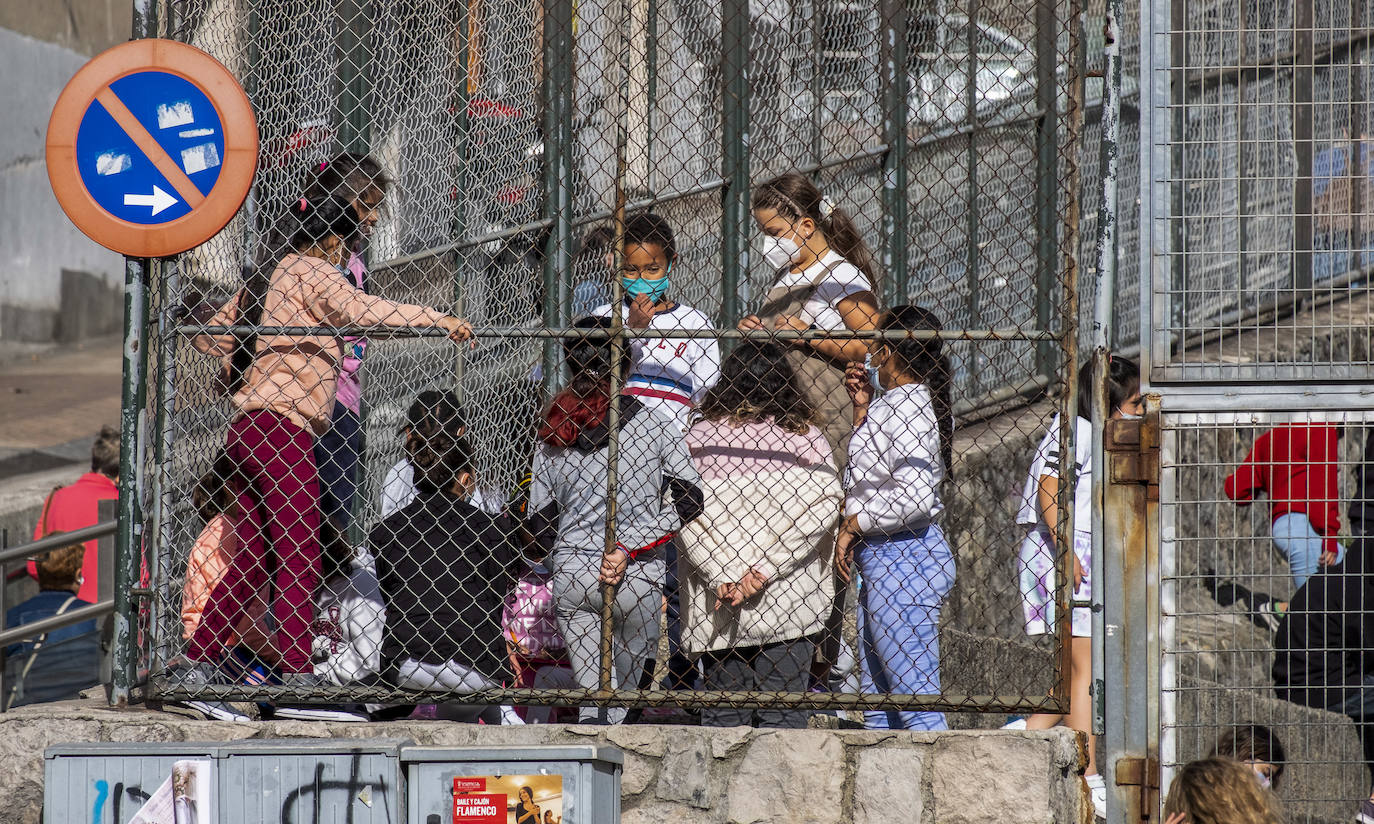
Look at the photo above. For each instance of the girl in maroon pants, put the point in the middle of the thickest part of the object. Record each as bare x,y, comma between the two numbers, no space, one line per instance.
283,386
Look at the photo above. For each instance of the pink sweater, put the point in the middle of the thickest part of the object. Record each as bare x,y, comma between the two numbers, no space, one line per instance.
295,376
722,449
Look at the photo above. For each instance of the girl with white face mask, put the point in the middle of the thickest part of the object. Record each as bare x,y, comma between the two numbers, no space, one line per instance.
826,281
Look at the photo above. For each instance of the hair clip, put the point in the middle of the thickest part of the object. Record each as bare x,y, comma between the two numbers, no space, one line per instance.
827,207
304,204
323,163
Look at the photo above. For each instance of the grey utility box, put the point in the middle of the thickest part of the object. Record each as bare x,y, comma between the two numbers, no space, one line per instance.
578,784
321,781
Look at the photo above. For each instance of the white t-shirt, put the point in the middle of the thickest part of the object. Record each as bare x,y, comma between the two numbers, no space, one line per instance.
1047,462
398,490
842,279
671,375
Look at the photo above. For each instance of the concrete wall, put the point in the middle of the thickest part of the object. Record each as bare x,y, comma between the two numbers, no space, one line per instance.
55,284
684,775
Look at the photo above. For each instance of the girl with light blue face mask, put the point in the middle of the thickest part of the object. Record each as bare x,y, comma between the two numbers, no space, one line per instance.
668,374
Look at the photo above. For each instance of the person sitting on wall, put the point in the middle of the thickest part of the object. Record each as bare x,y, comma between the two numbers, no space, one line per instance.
59,664
77,506
1321,659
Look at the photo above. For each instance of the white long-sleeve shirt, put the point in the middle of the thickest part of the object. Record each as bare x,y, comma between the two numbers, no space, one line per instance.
347,630
671,375
893,479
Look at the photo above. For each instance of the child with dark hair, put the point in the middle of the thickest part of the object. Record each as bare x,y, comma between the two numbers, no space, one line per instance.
668,375
283,388
360,180
1258,748
444,567
1036,571
569,507
398,486
898,457
757,583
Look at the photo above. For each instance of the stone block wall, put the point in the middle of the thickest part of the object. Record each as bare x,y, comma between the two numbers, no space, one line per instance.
684,775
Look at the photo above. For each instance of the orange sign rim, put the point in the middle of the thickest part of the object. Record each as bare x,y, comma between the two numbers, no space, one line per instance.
237,167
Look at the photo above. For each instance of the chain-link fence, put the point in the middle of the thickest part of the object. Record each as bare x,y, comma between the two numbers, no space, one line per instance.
1263,600
693,501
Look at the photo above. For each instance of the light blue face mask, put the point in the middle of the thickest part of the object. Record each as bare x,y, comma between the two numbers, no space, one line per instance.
873,375
655,289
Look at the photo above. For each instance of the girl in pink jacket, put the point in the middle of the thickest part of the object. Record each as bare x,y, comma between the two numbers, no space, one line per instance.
284,389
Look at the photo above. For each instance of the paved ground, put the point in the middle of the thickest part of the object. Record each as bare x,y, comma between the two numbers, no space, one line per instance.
53,403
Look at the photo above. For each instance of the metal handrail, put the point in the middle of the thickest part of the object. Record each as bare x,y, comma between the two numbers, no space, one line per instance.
25,632
76,536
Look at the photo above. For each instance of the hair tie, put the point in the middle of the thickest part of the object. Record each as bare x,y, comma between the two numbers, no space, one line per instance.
827,207
323,164
304,204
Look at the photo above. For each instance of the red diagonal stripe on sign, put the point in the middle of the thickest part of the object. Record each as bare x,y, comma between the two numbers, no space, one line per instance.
147,144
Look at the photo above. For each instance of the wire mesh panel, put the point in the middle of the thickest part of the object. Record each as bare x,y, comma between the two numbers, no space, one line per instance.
1263,600
578,359
1260,191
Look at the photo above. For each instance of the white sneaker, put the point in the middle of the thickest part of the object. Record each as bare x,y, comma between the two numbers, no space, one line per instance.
1018,724
1097,790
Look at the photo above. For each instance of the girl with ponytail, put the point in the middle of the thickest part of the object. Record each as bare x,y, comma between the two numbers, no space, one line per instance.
899,455
284,394
827,281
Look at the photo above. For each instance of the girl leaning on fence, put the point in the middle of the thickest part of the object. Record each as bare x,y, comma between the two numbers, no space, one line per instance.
283,386
657,492
898,457
757,583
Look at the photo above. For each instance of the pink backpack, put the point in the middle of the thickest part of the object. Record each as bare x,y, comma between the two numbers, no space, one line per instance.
528,617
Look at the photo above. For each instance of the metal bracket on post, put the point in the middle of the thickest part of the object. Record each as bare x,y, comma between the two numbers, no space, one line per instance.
1134,455
1142,773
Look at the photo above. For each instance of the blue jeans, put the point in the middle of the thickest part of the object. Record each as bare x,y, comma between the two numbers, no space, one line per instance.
336,456
1300,544
905,580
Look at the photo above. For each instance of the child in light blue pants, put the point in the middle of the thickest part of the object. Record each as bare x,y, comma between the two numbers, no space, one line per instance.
897,459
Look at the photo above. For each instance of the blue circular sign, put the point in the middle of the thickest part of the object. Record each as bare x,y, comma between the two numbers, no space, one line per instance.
182,132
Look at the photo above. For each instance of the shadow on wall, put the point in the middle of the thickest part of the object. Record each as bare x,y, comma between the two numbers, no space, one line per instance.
88,307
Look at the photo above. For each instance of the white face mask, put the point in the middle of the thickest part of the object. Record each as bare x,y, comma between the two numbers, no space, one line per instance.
780,252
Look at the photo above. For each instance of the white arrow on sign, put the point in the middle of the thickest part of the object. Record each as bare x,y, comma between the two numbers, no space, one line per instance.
159,200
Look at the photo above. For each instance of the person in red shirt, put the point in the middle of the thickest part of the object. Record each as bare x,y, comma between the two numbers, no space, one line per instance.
1295,464
77,506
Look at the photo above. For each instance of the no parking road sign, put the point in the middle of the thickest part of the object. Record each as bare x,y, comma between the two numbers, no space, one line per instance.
152,148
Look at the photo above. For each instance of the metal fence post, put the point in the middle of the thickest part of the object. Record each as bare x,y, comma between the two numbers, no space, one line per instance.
129,539
130,534
1046,176
1130,643
895,185
734,104
557,91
